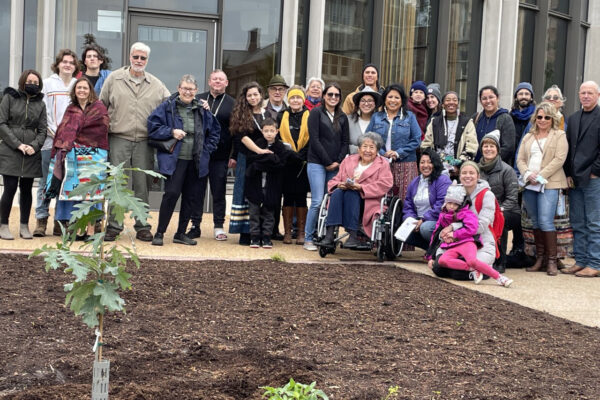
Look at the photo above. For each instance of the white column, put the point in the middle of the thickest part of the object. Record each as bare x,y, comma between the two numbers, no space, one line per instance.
48,27
592,55
507,52
489,59
15,66
316,27
288,40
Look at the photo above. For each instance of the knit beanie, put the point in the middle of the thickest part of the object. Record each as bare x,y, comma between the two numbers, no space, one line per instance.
524,85
418,85
494,136
470,163
456,194
434,89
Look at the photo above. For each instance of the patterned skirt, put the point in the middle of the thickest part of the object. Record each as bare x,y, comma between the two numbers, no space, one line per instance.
403,173
564,232
239,220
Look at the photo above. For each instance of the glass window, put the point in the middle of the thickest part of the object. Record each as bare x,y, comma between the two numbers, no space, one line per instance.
302,38
204,6
560,6
460,47
31,42
4,44
250,41
524,53
75,18
408,42
556,52
533,2
584,10
347,32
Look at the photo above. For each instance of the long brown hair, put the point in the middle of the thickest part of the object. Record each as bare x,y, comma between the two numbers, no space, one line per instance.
242,119
92,97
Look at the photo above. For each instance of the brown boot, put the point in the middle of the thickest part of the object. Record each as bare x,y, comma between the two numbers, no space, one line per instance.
288,215
540,252
301,223
40,229
550,242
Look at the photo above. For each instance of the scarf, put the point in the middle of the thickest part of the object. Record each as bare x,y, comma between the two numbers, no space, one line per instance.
88,127
525,114
286,136
489,165
420,111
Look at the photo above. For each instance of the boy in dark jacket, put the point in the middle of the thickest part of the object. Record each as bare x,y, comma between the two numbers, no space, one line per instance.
263,184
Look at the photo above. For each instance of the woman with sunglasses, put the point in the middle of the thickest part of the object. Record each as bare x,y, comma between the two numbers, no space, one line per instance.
328,145
540,161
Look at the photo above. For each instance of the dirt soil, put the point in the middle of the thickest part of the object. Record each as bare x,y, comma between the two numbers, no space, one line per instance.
220,330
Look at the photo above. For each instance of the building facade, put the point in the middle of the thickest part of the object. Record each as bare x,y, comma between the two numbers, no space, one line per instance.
460,44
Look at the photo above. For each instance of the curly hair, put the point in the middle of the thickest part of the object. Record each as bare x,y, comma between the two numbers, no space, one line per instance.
90,44
242,119
59,57
92,97
438,167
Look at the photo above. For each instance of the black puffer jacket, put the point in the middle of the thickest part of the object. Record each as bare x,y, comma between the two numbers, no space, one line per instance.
22,121
503,182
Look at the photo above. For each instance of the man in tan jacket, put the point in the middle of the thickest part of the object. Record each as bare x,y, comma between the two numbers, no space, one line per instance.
131,94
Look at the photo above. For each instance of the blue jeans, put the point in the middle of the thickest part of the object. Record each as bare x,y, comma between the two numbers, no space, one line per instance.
422,238
541,208
584,209
41,208
344,207
318,177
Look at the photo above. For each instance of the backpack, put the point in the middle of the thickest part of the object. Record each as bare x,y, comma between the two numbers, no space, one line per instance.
497,225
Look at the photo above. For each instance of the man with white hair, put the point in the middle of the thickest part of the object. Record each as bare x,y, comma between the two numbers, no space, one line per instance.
582,168
131,94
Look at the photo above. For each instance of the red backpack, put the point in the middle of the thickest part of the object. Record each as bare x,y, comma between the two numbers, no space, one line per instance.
497,225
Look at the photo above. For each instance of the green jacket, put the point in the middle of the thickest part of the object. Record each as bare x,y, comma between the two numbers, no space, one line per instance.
22,121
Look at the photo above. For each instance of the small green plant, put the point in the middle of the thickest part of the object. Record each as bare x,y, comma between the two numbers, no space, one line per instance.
294,391
392,393
278,257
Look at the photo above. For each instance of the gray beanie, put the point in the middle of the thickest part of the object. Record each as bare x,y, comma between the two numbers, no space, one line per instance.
434,89
456,193
493,135
524,85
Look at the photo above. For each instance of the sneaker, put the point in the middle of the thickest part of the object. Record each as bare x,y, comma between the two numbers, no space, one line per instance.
476,276
254,243
181,238
157,240
194,232
266,243
504,281
310,246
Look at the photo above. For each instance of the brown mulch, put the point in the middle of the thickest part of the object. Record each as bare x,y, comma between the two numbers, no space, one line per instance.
220,330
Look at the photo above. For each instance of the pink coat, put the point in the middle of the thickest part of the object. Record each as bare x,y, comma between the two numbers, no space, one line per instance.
375,182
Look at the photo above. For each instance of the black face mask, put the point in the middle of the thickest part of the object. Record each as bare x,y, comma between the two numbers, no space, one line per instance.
32,89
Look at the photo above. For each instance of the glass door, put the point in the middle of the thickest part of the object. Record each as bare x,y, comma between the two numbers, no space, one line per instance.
179,45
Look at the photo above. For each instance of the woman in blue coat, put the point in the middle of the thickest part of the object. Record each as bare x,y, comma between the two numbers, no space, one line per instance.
195,134
401,136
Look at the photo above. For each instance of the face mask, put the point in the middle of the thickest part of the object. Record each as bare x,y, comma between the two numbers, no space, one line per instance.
32,89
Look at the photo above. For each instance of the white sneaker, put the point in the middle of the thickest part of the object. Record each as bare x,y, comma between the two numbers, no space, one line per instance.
476,276
310,246
504,281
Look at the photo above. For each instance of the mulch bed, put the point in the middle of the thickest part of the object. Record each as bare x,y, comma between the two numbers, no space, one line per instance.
220,330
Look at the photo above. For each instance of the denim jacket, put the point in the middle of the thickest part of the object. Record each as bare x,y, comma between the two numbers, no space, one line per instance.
406,134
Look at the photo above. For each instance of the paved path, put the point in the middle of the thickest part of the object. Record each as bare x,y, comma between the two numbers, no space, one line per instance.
576,299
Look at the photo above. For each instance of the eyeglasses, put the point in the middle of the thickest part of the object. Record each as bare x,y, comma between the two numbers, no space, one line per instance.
545,117
366,101
185,89
331,94
555,98
143,58
279,89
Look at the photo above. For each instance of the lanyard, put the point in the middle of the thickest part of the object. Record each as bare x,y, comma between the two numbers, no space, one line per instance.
213,103
262,112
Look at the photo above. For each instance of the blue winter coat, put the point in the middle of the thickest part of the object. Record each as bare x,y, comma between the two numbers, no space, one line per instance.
104,73
165,118
406,134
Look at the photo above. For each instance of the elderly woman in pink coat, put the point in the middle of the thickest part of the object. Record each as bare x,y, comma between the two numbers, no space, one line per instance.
365,176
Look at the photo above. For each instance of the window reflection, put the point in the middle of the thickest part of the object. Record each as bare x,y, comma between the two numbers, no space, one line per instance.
408,41
204,6
524,53
32,43
4,44
458,49
560,5
301,40
250,41
344,42
556,52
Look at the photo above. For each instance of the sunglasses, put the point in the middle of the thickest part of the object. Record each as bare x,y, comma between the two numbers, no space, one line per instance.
331,94
555,98
143,58
545,117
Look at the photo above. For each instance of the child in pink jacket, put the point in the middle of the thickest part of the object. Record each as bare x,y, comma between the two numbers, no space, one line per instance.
464,240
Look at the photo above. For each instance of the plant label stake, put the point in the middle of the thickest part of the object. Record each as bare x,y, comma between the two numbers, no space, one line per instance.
101,371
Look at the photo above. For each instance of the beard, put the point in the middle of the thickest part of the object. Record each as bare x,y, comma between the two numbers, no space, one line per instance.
138,69
525,103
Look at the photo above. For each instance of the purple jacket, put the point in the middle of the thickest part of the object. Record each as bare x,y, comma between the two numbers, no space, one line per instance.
466,233
437,192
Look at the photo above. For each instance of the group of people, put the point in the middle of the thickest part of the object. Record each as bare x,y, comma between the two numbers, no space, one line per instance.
513,165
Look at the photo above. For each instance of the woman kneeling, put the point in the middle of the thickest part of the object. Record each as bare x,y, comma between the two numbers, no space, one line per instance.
365,176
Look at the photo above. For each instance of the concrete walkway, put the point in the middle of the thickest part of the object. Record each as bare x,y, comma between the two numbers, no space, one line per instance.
576,299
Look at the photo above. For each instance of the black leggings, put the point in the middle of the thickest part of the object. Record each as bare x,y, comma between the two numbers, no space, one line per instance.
294,199
10,188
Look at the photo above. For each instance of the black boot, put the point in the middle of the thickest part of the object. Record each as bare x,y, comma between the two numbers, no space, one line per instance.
327,241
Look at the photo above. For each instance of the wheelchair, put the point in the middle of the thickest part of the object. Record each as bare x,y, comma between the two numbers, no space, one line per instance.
382,240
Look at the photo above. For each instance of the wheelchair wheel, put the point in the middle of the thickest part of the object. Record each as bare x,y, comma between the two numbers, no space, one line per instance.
395,218
380,251
322,216
323,251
